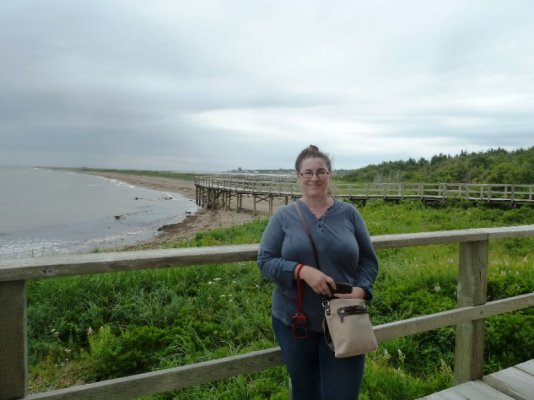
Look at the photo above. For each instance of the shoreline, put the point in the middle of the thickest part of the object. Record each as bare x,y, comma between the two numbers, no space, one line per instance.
200,221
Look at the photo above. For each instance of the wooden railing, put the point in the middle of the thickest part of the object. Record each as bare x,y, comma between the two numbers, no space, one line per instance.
287,186
469,316
463,191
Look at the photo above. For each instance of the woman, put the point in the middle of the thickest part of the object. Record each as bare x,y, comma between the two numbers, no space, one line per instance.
346,255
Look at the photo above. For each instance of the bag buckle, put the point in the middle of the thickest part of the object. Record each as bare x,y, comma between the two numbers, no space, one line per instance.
327,309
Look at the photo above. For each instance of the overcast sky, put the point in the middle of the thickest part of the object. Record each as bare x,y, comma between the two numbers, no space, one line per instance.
207,85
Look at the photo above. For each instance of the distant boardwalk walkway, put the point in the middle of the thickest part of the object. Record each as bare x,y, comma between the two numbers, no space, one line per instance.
220,190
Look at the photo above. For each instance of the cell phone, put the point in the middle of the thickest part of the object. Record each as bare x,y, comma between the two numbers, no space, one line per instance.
342,288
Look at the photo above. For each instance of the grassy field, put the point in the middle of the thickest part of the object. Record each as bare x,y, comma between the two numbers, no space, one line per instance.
162,174
88,328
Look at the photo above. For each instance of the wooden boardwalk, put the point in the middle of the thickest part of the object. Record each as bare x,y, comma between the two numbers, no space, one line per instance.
220,190
514,383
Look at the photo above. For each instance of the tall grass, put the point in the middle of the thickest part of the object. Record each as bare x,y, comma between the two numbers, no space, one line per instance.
88,328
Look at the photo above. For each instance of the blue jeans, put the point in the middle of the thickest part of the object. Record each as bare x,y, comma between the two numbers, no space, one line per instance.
315,373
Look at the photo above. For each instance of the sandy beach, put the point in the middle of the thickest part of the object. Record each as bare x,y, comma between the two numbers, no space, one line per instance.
201,221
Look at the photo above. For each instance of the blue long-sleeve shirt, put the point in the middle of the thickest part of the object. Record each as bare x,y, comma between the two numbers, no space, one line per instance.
345,253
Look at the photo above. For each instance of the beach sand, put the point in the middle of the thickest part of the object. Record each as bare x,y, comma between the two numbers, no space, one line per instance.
202,220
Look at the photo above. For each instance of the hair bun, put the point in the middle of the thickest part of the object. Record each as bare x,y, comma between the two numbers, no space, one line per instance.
312,151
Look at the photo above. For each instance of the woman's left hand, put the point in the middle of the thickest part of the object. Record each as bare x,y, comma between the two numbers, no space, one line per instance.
357,293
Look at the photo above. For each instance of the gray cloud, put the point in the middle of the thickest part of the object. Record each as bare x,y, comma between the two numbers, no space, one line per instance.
214,85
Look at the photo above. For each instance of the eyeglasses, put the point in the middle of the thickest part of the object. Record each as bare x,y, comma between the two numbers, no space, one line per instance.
320,173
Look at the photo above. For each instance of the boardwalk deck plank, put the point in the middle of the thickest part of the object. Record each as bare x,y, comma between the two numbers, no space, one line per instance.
514,383
473,390
527,366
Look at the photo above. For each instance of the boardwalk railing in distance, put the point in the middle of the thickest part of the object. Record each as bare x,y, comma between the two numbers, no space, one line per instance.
503,193
468,316
214,190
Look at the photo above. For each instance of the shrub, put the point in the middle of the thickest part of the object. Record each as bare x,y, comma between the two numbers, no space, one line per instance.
131,351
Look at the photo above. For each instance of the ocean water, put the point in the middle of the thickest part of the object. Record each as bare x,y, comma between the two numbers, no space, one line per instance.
46,212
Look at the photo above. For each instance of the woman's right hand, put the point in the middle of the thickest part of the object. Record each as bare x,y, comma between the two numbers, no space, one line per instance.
317,280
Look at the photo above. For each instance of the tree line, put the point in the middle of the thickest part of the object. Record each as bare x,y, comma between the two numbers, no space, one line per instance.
492,166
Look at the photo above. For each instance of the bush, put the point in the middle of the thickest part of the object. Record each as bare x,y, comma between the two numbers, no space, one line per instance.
132,351
507,337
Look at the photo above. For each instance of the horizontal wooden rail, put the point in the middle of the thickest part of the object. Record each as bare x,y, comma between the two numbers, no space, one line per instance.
134,386
96,263
456,316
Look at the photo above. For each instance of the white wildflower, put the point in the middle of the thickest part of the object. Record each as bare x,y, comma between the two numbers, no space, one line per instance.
402,356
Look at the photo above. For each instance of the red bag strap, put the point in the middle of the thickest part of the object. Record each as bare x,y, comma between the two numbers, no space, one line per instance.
299,289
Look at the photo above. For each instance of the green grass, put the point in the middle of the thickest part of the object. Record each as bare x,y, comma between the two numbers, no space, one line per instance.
162,174
94,327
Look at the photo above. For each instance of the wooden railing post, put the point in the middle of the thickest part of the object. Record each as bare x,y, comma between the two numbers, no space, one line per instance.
13,356
472,291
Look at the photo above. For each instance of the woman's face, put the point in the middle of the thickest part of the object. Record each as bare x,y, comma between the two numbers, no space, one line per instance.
314,177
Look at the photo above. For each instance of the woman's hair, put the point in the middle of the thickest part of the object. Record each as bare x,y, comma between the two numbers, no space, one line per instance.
312,151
